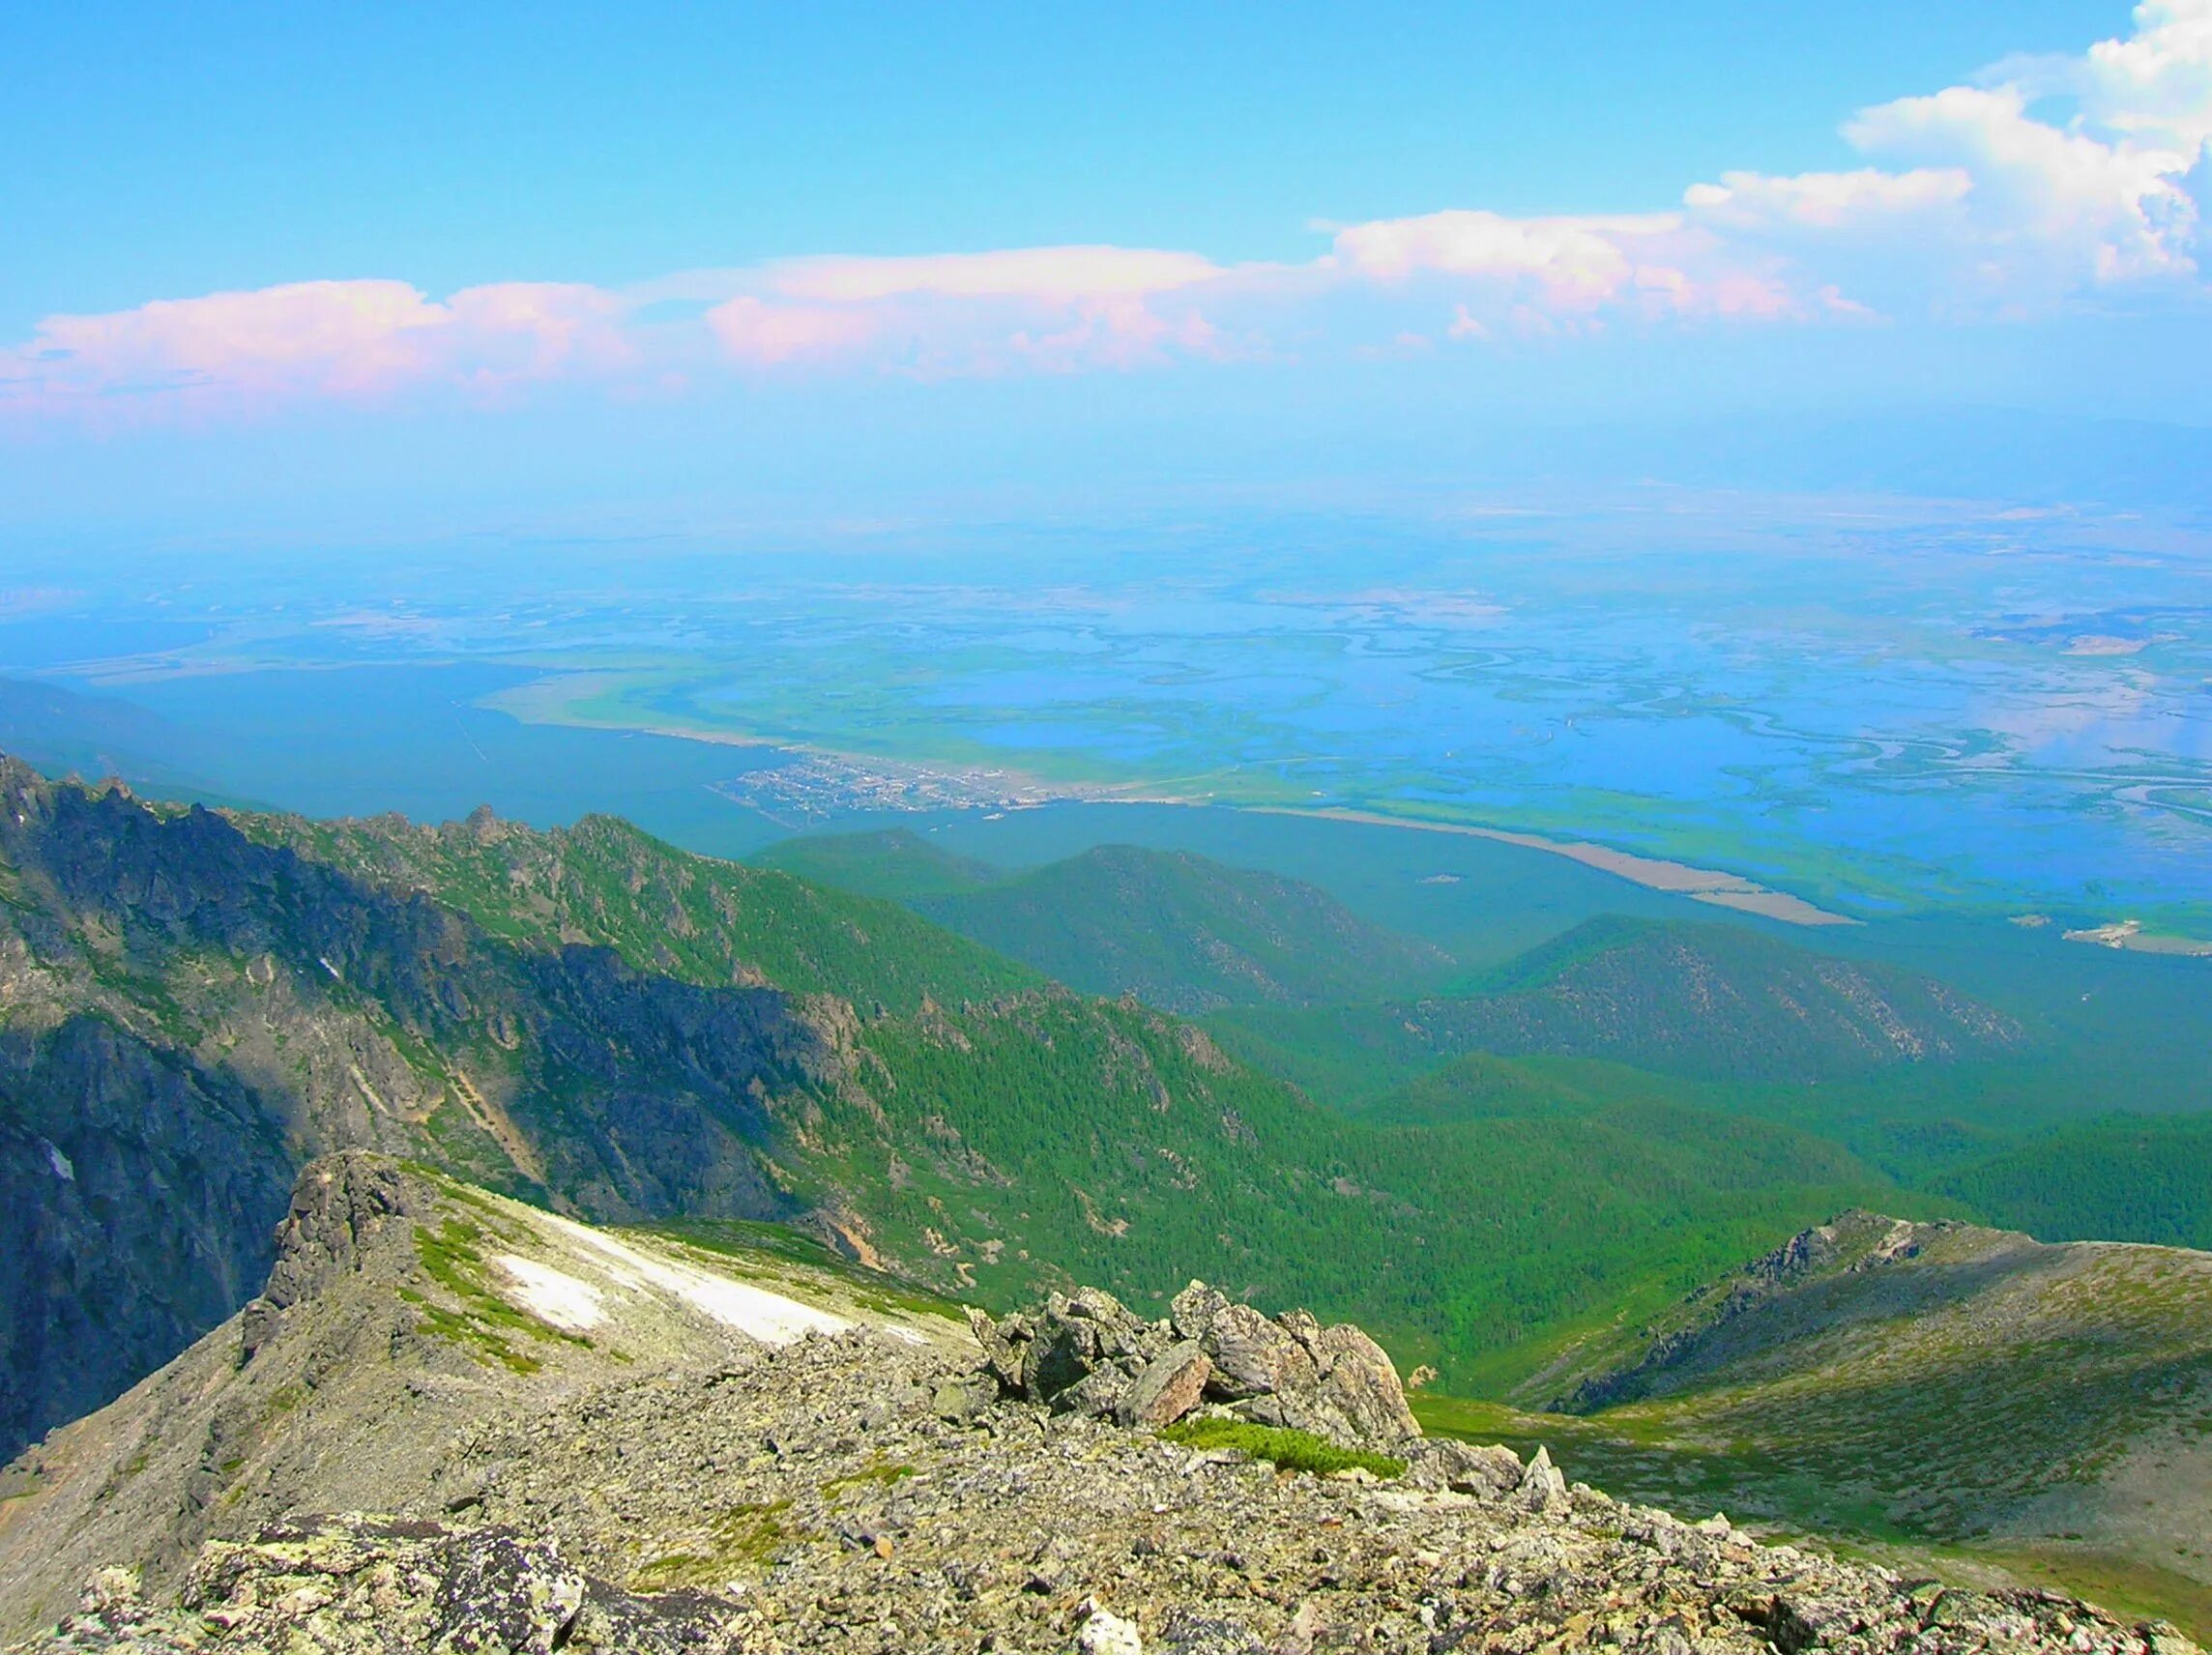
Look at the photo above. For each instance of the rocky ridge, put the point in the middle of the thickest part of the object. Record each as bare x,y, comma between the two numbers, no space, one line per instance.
661,1478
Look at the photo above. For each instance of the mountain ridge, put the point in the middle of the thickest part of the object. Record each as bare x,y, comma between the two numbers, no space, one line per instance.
658,1475
1698,1000
1954,1378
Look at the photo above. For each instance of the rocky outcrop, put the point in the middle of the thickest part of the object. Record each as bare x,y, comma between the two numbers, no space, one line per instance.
1087,1353
649,1478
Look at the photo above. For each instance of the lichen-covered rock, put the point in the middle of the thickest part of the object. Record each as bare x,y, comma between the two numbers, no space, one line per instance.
1254,1356
1543,1488
1358,1382
341,1584
1105,1633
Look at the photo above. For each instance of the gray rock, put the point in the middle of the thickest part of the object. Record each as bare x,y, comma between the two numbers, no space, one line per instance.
1253,1357
1542,1488
1188,1632
1191,1312
1104,1633
960,1400
1358,1382
1489,1472
1101,1393
1169,1387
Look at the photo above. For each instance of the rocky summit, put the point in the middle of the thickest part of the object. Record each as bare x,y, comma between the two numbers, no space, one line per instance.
453,1422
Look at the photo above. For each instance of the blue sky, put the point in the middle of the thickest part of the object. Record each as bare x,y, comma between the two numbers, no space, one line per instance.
349,257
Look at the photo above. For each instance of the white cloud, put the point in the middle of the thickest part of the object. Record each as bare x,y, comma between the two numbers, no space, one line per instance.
344,339
2043,184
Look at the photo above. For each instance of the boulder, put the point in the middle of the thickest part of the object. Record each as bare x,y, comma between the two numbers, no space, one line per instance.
1077,1354
1169,1387
1191,1312
1099,1393
1104,1633
1542,1488
1253,1357
1489,1472
1358,1383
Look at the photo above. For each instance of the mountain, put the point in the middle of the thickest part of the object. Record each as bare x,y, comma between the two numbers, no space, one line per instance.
1186,934
193,1003
2115,1177
404,1312
61,729
895,863
1938,1378
1704,1002
547,1436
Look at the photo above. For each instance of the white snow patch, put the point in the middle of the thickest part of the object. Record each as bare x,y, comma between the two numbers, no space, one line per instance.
768,1317
553,1294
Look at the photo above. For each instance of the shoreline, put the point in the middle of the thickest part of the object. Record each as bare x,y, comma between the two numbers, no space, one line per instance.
1678,879
1708,885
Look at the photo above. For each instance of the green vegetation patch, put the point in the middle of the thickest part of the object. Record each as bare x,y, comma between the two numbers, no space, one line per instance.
481,1325
743,1537
882,1474
1290,1450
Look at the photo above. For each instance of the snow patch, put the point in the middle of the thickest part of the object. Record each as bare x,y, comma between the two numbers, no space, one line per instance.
554,1295
768,1317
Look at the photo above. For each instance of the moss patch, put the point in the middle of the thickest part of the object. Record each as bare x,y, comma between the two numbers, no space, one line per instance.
1291,1450
746,1536
883,1474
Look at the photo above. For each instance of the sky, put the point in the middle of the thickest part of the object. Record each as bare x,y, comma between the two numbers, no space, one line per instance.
335,269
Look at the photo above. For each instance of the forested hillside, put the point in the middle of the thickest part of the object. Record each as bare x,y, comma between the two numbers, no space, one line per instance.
593,1020
1713,1003
1177,930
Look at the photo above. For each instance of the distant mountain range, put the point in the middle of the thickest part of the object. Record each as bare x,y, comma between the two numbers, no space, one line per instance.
1189,935
1707,1002
196,1003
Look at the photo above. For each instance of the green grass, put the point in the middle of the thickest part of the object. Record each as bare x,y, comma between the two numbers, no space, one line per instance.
1289,1450
881,1473
483,1321
741,1538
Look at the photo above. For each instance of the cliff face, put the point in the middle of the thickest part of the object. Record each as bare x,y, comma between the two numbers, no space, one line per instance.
137,1193
188,1015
